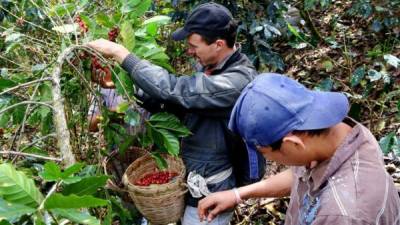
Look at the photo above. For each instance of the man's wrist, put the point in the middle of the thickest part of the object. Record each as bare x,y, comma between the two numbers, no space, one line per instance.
237,196
120,54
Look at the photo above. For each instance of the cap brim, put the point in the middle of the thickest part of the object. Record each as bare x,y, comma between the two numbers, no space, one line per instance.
329,108
180,34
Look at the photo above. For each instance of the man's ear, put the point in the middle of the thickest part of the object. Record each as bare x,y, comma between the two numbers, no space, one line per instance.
220,43
295,140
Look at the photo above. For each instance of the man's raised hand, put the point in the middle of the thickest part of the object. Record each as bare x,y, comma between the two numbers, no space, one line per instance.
109,49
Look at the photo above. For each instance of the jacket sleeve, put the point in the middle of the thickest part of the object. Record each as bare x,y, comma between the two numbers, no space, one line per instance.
197,91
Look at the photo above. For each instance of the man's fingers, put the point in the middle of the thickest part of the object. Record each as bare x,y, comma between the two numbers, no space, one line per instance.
204,206
213,213
202,209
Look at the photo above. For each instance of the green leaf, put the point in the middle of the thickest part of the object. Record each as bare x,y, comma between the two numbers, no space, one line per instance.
73,202
4,119
310,4
149,53
160,19
18,114
46,92
104,20
62,9
152,29
159,58
122,107
132,117
170,142
392,60
386,143
126,84
5,83
4,222
71,180
128,36
76,216
325,85
357,76
16,187
294,31
173,127
120,209
128,6
10,211
328,65
72,169
51,172
86,186
140,9
163,116
160,161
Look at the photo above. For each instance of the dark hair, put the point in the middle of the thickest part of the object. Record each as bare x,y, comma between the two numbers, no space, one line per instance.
318,132
229,35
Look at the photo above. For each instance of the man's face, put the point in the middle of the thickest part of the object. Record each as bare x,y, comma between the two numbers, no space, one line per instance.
205,54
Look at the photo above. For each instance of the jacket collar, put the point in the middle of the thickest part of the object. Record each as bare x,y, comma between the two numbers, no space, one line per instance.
226,63
324,170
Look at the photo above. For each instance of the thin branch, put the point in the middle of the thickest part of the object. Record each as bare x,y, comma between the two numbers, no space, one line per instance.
25,103
52,190
9,60
30,155
38,140
25,84
21,128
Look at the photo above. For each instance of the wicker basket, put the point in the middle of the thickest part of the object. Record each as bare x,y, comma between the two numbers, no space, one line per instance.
160,204
115,165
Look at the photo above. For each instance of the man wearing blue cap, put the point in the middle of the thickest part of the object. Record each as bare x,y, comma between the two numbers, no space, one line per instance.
205,99
337,174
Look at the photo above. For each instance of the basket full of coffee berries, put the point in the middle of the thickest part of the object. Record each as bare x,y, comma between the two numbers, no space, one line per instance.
157,194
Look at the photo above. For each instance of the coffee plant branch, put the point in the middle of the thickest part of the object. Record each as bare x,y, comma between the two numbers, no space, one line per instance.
25,103
37,140
25,84
30,155
60,123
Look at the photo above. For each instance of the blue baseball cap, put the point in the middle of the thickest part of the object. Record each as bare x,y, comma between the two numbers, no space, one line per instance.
209,19
273,105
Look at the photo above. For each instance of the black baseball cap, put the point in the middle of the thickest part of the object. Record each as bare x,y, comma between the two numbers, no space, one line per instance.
209,19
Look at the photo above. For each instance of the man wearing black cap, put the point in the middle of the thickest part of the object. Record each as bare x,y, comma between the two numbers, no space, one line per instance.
206,98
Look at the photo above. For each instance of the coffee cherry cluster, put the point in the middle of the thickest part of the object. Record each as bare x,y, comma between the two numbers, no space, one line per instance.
82,25
101,74
162,177
113,34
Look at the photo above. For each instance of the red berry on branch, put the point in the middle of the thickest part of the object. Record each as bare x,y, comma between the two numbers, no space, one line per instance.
113,34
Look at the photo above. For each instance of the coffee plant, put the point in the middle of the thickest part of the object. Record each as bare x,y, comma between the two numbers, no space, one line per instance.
49,79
